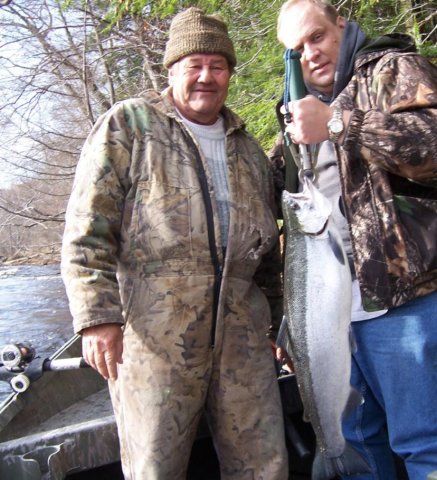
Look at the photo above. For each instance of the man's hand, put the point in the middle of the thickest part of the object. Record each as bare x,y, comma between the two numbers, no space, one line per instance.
309,120
102,348
282,357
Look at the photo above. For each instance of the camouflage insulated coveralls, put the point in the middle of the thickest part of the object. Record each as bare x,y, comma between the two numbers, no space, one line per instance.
141,248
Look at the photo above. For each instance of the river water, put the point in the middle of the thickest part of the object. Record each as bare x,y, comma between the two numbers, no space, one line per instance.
33,309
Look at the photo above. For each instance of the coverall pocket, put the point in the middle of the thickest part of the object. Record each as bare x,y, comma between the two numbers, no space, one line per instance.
419,220
162,219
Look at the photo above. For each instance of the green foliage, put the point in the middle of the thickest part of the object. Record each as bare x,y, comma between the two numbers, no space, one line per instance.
257,85
258,81
165,8
429,50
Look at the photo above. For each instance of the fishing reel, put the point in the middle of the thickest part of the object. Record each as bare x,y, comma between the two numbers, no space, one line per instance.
20,366
14,358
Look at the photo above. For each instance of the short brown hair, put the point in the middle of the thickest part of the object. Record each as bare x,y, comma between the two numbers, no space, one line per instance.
325,5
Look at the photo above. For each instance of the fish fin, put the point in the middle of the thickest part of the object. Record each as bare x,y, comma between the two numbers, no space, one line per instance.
355,400
305,417
352,341
336,248
350,462
283,338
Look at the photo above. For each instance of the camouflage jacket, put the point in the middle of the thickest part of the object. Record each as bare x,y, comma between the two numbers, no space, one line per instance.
143,208
388,175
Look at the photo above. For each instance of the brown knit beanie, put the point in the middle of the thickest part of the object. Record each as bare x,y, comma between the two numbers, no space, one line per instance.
191,31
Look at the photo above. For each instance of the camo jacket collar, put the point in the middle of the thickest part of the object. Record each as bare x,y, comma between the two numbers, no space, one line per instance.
378,47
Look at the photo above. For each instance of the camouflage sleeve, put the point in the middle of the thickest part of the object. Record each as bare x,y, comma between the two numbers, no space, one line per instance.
399,132
277,166
94,212
268,278
269,274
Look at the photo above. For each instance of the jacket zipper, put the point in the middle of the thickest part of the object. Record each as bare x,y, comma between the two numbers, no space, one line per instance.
218,268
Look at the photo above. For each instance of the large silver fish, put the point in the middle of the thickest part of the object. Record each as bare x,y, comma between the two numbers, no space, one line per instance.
316,327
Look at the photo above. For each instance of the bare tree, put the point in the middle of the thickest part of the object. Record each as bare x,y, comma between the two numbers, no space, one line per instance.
59,70
65,62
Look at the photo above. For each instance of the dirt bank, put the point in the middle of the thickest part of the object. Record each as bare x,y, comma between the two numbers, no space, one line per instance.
31,259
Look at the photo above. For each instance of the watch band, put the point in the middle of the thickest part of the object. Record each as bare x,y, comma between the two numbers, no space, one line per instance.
335,125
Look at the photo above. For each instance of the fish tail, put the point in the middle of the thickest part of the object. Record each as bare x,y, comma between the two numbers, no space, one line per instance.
350,462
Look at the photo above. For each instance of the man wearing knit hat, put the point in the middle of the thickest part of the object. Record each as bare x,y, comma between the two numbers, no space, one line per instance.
171,265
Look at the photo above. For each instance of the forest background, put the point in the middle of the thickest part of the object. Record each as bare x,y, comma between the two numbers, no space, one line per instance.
64,63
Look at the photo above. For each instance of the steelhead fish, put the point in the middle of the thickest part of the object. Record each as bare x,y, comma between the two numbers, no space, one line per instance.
315,330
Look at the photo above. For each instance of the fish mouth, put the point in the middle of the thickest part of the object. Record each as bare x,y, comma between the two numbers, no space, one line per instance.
317,233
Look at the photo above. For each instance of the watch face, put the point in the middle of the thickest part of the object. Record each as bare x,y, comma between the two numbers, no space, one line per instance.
336,126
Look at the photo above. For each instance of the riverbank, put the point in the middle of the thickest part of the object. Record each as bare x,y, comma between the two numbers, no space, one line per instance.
37,259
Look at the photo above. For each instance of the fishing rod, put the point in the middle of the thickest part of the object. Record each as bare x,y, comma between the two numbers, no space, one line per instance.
304,156
19,365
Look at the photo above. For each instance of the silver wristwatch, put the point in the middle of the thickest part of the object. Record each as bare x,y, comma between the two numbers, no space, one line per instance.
336,125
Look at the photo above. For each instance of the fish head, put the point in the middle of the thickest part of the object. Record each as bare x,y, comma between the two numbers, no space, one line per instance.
307,211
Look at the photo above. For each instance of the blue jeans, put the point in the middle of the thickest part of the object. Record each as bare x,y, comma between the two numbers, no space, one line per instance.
395,369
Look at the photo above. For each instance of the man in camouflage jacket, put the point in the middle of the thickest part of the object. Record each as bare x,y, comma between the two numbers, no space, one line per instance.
379,168
155,288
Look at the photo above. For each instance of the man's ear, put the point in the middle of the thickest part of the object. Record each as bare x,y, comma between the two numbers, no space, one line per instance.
341,22
171,74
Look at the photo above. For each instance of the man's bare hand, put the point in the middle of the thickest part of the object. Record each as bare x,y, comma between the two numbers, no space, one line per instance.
102,348
282,357
309,120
